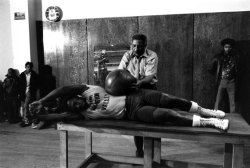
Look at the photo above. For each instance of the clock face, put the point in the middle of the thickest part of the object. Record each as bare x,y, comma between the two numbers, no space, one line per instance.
53,13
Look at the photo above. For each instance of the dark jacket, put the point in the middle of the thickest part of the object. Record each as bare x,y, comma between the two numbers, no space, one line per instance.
217,64
10,86
34,85
1,97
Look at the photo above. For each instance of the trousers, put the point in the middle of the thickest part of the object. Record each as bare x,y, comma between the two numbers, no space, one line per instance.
225,97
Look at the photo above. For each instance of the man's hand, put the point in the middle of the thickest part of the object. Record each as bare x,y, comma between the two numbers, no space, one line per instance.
136,85
36,107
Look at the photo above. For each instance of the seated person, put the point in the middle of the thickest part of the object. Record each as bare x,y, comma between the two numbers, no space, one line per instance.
149,106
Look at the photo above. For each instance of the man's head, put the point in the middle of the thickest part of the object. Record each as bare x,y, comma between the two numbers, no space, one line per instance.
11,72
139,43
28,66
76,104
227,45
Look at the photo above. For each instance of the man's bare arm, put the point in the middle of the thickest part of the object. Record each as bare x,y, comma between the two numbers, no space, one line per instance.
36,107
145,80
64,91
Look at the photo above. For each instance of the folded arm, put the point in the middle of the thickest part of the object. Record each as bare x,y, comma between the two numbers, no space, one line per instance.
145,80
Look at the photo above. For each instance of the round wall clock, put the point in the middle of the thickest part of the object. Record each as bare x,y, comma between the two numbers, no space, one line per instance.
54,13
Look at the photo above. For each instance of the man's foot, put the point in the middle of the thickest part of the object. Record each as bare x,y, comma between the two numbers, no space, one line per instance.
211,113
25,123
39,125
222,124
33,125
139,153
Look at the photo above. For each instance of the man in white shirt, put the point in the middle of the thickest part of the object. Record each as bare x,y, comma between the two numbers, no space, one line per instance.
142,64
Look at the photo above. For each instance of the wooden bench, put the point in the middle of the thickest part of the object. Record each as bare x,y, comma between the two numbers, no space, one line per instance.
235,138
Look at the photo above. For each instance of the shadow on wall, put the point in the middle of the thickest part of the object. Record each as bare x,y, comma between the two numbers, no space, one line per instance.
47,80
244,79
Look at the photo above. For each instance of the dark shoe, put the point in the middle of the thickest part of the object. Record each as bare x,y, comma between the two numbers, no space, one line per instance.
139,153
25,123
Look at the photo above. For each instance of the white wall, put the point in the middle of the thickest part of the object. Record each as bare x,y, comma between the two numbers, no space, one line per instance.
78,9
20,34
17,37
14,36
6,54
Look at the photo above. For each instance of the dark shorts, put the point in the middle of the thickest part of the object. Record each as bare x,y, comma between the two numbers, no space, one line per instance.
139,100
141,104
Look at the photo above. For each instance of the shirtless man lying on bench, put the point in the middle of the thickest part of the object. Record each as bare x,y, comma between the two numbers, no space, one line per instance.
141,105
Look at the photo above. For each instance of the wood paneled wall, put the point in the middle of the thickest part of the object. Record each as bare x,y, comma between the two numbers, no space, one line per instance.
109,32
65,50
172,38
209,30
184,43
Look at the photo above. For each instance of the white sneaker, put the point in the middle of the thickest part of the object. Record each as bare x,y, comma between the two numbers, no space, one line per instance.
33,126
222,124
211,113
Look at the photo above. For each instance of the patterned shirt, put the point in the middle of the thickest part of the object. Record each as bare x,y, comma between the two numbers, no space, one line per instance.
102,104
140,67
228,68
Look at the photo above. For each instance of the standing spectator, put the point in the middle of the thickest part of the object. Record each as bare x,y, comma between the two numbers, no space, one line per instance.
28,88
225,66
10,86
142,64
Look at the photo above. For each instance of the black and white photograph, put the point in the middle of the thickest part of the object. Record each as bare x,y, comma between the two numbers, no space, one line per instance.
125,84
19,15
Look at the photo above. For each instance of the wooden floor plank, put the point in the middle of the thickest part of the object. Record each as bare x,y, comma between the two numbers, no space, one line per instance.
29,148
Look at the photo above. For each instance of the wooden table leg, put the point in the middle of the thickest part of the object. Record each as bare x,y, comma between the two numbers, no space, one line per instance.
233,156
88,144
157,150
228,153
148,152
238,154
63,149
